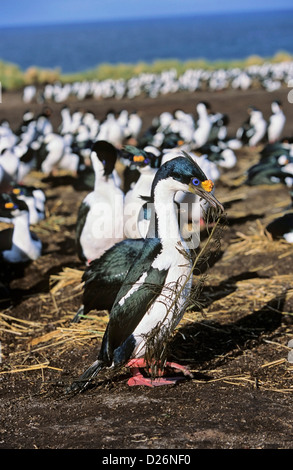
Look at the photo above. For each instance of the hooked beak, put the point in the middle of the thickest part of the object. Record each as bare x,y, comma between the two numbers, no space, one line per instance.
204,191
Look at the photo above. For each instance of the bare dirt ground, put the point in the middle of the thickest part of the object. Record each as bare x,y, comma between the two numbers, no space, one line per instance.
236,344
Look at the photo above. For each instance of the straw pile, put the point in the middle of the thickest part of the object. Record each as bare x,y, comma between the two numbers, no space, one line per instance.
257,241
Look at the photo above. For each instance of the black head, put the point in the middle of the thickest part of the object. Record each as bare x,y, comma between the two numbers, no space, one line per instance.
187,176
11,206
140,158
107,154
172,140
23,190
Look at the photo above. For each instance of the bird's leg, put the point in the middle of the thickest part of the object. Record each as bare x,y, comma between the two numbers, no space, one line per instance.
138,379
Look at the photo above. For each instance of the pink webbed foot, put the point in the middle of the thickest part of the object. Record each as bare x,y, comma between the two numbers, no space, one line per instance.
203,224
138,379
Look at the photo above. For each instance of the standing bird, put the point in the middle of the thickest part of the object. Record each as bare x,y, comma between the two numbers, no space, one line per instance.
147,164
259,127
111,131
253,130
9,161
65,126
203,124
100,217
154,295
52,152
133,127
276,122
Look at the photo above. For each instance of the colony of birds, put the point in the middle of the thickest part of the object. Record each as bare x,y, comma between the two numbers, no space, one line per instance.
133,229
268,76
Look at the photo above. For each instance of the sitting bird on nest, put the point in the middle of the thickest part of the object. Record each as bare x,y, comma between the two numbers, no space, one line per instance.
17,244
156,290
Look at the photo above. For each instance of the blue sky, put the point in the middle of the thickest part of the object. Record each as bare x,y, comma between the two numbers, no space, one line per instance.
13,12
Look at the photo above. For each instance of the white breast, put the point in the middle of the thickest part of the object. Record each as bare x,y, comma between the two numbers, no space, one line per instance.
104,223
170,305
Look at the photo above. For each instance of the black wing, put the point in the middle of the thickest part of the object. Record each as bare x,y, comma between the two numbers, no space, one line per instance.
127,312
104,276
81,218
6,236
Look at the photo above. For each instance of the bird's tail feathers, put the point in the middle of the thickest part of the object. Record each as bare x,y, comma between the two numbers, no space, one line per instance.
83,381
79,313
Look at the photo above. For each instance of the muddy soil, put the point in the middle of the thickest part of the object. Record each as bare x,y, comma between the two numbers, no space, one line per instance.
235,343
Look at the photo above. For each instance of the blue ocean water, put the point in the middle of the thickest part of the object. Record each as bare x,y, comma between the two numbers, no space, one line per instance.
76,47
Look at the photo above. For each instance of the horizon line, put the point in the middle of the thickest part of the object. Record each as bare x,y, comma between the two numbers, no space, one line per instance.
141,18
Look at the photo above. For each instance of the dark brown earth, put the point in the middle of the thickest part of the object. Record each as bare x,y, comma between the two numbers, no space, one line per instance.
241,395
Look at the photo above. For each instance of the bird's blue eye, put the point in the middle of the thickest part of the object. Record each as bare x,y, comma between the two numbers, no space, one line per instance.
195,181
146,160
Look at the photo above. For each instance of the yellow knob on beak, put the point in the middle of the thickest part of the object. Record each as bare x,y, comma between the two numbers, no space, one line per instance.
138,158
207,185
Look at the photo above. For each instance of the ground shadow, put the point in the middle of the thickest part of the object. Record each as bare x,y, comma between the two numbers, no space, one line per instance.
200,342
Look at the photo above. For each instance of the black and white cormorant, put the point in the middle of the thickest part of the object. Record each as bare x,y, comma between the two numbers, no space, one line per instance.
35,198
272,151
253,130
17,244
269,171
100,217
155,292
135,226
276,122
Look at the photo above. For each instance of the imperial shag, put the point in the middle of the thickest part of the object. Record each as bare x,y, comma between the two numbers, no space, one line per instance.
17,244
276,122
272,151
203,124
100,217
155,292
35,199
253,130
270,172
135,226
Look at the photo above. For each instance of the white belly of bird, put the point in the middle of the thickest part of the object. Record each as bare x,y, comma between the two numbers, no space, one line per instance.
23,252
169,307
103,227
